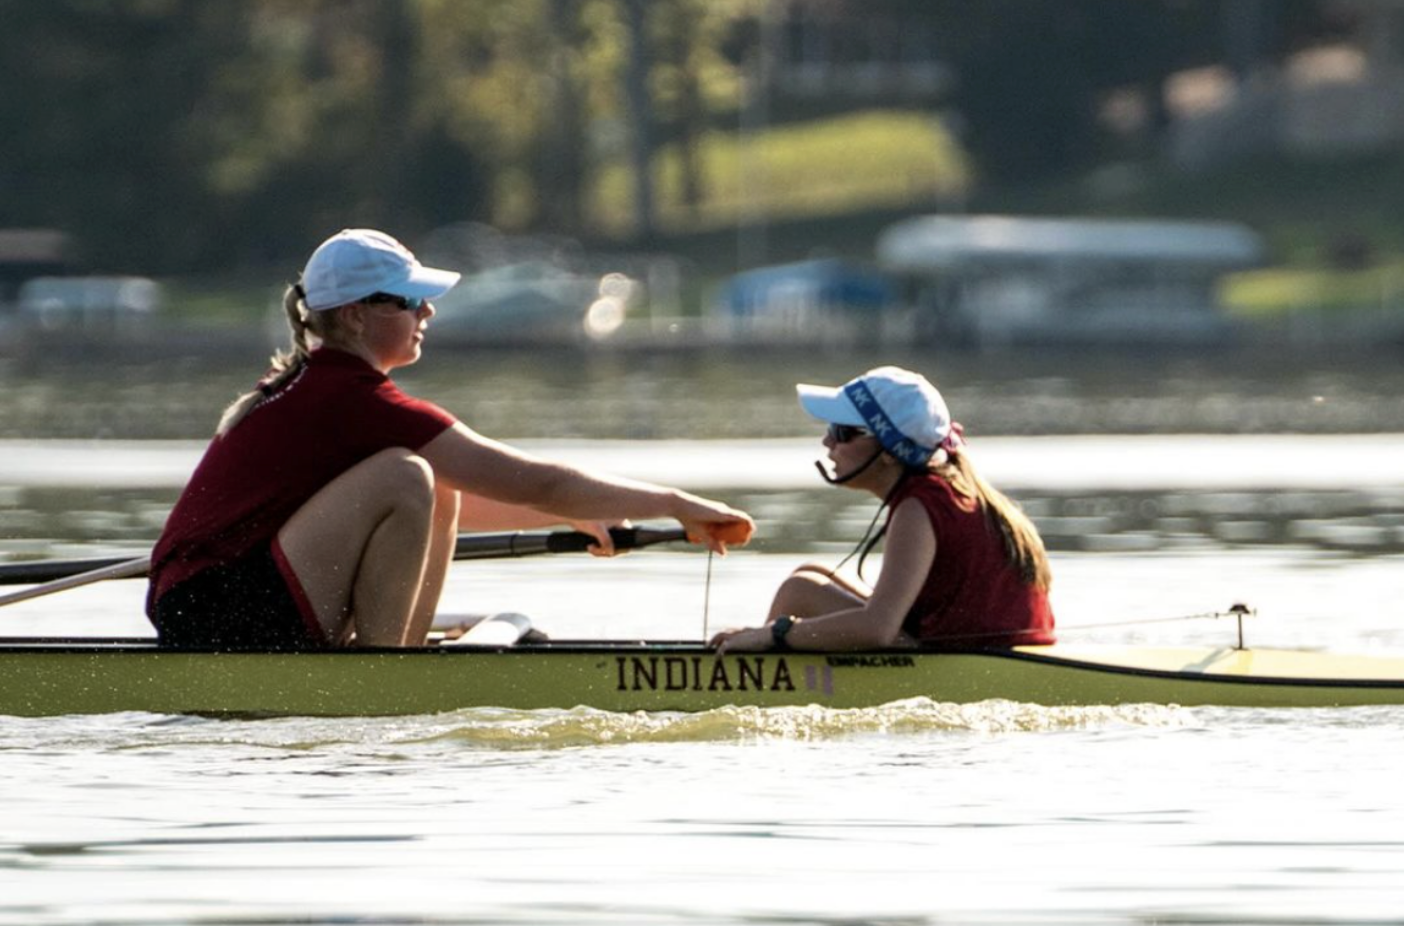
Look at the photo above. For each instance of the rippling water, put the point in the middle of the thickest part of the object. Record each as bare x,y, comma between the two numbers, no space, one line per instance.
910,813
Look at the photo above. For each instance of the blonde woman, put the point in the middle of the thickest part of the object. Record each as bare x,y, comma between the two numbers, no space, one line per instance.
962,566
326,508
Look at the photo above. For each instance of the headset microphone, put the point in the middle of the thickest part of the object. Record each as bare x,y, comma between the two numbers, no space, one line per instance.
840,480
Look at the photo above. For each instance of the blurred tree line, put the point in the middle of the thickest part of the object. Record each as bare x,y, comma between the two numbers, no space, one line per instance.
190,135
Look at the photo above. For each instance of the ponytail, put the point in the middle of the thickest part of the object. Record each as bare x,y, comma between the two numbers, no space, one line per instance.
1022,545
284,364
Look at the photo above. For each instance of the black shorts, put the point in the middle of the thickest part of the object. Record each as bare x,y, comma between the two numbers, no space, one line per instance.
253,603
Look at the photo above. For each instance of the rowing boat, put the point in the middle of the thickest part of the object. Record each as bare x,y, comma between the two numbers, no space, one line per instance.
500,663
46,677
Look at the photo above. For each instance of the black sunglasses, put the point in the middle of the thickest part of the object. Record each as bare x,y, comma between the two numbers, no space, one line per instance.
404,303
843,433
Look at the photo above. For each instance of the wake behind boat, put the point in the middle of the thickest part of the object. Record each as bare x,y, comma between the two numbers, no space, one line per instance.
46,677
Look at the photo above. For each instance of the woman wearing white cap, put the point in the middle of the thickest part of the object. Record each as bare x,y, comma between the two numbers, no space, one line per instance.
962,566
326,508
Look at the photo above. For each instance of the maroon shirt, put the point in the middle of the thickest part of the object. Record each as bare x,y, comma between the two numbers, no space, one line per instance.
973,595
336,412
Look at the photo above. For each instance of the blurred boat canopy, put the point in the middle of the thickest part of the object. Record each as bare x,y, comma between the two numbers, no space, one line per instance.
934,243
997,280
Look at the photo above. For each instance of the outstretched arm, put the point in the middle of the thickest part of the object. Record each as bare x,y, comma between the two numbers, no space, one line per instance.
483,467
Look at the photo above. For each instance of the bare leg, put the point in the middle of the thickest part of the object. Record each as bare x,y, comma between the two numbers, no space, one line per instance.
443,538
359,547
812,590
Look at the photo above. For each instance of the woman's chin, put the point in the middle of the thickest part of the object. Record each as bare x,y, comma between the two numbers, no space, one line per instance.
408,357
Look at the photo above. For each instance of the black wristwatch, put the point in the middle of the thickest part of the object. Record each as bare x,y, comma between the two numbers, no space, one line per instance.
780,628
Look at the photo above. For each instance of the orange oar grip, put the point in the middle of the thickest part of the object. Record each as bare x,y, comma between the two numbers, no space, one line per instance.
736,533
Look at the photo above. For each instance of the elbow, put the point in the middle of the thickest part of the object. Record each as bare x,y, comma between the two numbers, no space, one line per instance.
878,639
870,635
878,631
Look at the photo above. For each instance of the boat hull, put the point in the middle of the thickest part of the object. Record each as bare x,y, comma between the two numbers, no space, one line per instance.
69,677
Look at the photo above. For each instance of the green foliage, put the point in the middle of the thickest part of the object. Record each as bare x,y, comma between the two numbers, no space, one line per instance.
1279,290
185,134
199,135
867,160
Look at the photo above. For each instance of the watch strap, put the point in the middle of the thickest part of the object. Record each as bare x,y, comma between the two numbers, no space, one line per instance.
780,629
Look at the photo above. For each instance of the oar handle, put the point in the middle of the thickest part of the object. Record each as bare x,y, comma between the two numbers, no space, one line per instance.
498,546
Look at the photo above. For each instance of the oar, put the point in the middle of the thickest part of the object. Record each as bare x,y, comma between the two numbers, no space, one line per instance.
523,543
47,570
122,569
60,574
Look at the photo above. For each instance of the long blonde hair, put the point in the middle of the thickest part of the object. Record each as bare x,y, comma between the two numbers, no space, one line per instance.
1022,544
284,364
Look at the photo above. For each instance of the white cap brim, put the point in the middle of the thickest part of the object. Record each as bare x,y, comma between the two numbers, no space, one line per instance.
425,283
829,404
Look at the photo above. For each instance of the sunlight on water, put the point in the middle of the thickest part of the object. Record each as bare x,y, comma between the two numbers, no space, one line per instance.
502,729
584,726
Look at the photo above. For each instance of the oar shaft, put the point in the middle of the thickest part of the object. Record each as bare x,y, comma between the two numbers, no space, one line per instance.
469,546
122,570
48,570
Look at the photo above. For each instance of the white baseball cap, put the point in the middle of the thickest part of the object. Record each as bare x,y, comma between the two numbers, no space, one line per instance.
358,262
901,408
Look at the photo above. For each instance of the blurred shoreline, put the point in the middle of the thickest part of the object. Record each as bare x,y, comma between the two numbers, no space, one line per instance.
176,391
1064,464
1306,335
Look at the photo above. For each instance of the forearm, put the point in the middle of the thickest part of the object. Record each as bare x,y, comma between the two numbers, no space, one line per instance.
559,492
508,480
574,494
856,628
485,514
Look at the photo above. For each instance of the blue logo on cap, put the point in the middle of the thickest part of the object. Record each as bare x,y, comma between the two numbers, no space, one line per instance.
893,440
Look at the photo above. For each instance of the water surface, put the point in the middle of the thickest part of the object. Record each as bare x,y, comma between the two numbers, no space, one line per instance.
909,813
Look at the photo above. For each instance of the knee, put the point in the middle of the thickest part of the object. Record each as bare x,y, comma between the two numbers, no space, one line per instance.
796,591
404,476
813,572
802,579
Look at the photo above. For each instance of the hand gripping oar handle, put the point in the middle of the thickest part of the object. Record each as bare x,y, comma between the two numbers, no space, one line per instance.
498,546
